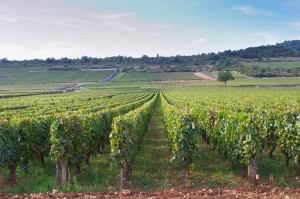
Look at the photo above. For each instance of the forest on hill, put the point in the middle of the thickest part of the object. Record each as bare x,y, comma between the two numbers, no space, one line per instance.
227,60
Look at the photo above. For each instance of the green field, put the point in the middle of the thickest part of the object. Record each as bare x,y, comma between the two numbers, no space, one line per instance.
238,75
241,80
33,87
15,79
36,75
273,65
265,81
133,77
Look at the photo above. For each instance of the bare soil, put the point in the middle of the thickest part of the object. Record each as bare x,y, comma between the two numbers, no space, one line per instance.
205,76
257,192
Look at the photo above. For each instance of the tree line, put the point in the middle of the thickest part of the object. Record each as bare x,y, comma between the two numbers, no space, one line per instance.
229,59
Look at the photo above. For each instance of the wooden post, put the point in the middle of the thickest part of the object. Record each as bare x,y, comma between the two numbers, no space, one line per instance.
252,170
1,178
57,176
64,173
185,177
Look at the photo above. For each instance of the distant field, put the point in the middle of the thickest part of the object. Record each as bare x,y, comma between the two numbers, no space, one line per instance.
266,81
239,82
32,75
234,74
274,65
18,87
22,80
238,75
130,77
244,82
4,95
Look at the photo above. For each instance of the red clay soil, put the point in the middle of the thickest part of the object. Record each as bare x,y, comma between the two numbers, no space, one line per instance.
258,192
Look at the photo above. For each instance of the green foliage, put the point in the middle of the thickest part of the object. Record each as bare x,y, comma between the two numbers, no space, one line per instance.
34,136
241,130
182,129
123,141
9,142
288,133
127,132
240,122
224,76
61,145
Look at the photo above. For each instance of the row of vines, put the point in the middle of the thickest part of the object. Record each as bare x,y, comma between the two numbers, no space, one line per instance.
72,128
67,128
241,129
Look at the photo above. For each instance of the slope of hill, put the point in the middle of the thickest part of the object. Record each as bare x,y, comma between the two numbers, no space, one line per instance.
293,45
227,60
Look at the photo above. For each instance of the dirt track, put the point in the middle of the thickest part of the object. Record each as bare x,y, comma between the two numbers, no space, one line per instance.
204,76
259,192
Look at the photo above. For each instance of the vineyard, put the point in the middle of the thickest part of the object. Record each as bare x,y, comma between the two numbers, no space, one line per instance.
238,127
95,140
42,75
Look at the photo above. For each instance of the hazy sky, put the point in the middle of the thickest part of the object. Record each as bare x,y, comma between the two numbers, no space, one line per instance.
100,28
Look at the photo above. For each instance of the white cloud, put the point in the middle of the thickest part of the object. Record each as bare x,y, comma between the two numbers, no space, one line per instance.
59,49
33,32
68,17
9,18
113,15
13,51
198,41
52,49
250,10
55,28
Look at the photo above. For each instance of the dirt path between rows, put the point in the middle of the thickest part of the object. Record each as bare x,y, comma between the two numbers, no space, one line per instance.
152,168
205,76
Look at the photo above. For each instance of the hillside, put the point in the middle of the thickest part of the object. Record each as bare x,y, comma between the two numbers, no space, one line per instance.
227,60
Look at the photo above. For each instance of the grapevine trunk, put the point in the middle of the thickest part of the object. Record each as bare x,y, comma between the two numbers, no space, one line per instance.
271,152
185,177
244,171
252,169
64,173
57,176
1,178
123,177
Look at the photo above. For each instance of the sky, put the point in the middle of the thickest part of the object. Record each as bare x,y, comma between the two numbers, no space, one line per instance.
40,29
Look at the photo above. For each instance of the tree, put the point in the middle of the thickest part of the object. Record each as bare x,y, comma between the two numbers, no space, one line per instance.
84,59
225,77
